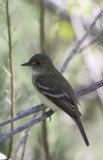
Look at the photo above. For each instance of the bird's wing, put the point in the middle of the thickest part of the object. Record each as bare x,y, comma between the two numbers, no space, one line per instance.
58,96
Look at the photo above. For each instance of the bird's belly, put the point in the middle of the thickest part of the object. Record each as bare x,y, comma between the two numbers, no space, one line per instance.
47,102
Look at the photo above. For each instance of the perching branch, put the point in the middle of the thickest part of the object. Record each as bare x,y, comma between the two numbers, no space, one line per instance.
79,93
77,47
27,125
89,88
24,114
12,75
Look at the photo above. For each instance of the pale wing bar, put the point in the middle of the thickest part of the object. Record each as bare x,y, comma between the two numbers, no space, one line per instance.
55,93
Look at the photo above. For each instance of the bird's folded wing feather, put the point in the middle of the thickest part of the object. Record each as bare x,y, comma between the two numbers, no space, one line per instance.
57,95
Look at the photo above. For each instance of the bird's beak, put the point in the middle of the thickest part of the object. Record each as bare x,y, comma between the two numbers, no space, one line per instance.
26,64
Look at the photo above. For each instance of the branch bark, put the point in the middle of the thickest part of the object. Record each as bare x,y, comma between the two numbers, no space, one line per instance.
23,141
19,129
79,93
77,47
89,88
54,8
24,114
89,58
12,75
43,50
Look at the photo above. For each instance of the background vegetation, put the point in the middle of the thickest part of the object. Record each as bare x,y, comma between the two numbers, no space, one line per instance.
65,23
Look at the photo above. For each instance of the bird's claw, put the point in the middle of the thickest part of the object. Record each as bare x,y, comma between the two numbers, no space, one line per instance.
49,118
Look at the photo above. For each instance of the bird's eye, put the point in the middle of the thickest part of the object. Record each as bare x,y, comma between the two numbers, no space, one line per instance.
38,63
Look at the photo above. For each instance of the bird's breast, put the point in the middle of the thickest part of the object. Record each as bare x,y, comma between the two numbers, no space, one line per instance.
48,103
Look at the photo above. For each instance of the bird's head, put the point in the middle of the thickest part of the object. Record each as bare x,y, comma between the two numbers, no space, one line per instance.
40,64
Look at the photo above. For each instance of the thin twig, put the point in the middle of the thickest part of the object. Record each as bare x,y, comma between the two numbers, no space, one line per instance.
77,47
56,9
89,88
91,42
27,125
40,107
42,32
44,138
23,140
24,114
79,93
89,59
26,136
12,76
43,49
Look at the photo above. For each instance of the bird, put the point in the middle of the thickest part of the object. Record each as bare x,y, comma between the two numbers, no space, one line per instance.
54,90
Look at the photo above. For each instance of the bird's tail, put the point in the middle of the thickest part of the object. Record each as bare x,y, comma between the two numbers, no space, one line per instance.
80,126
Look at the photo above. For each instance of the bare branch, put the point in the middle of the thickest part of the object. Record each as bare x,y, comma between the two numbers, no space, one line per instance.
54,8
24,114
89,88
79,93
91,42
77,47
32,110
23,140
19,129
12,75
43,50
40,107
89,59
42,23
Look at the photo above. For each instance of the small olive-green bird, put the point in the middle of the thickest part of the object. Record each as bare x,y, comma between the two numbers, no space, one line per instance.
53,89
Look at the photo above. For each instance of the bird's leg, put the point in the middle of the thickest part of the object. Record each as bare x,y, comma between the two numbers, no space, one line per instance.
49,113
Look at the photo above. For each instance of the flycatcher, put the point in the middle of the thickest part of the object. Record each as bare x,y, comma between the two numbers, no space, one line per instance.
53,89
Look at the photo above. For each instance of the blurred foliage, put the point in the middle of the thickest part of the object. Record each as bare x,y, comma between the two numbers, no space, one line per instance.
64,139
85,6
66,31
